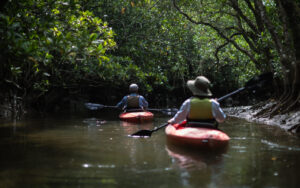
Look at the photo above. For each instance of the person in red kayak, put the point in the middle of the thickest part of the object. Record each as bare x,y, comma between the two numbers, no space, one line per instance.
200,110
133,101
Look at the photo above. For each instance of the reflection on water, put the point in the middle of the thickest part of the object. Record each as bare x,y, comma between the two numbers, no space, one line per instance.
192,159
196,166
130,127
97,152
94,121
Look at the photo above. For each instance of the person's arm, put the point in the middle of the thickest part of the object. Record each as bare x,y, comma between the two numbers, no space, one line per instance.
217,111
182,113
122,103
142,102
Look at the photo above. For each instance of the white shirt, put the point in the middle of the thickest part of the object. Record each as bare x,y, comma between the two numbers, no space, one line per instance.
184,110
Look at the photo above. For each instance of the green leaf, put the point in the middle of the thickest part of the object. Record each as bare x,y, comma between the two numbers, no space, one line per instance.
93,36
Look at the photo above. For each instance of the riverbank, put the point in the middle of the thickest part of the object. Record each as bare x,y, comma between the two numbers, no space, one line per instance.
289,121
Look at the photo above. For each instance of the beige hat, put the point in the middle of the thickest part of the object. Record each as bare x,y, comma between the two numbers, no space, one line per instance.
200,86
133,88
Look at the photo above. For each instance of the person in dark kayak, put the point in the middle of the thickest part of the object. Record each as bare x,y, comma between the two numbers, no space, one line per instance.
200,110
133,101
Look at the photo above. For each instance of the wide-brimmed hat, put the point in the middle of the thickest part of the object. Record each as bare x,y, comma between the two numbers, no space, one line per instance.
133,88
199,86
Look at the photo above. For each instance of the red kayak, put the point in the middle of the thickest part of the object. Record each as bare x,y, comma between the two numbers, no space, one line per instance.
197,137
136,117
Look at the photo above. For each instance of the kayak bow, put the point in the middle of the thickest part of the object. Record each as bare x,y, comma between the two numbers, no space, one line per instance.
136,117
197,137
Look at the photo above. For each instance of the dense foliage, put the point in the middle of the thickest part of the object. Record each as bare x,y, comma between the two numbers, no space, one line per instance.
267,32
49,45
55,52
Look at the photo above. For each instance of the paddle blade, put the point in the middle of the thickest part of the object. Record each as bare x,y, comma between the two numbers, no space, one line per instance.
259,81
93,106
142,133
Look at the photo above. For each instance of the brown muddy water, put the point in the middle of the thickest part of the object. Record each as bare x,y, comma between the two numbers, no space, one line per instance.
95,151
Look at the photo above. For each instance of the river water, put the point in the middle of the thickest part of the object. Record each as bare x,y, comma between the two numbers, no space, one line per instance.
94,150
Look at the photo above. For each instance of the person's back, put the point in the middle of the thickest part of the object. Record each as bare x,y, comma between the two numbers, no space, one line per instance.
199,109
133,101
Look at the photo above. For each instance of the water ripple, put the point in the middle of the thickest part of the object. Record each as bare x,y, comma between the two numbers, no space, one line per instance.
86,165
274,145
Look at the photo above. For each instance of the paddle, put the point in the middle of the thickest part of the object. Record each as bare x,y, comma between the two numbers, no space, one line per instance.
256,81
251,84
168,111
147,133
94,106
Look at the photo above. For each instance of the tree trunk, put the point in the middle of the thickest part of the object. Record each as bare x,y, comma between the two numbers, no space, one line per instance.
290,56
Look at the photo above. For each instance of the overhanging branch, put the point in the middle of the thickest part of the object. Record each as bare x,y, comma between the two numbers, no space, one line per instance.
218,30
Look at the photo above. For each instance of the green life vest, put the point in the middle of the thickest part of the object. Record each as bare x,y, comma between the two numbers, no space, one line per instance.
133,101
200,110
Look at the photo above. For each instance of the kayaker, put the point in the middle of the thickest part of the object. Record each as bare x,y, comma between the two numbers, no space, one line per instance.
133,101
199,110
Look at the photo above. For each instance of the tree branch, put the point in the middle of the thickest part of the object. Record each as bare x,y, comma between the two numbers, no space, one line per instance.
235,6
218,49
245,36
218,30
269,25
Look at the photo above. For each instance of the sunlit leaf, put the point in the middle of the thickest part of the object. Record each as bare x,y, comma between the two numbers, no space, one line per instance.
123,10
